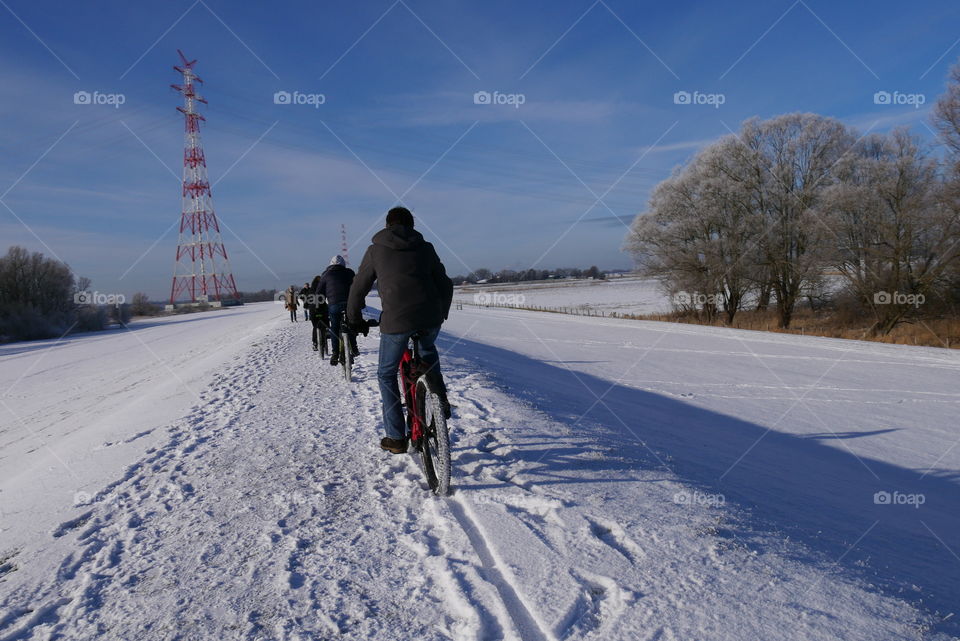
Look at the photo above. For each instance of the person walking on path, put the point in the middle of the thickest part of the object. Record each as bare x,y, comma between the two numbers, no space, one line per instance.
304,291
290,301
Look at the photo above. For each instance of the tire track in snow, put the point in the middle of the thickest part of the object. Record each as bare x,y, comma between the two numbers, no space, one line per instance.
497,612
562,541
498,575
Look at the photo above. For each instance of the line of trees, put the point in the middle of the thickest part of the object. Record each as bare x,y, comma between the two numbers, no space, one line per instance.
766,216
514,276
38,299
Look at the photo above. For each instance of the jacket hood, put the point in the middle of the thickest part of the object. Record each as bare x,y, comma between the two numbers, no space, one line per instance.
398,237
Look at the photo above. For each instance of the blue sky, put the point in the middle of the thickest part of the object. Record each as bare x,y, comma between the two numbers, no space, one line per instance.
550,182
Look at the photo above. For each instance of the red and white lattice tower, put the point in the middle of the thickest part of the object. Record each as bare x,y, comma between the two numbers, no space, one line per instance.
201,271
343,243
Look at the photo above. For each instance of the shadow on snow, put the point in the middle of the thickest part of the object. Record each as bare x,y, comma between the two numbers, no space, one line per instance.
818,494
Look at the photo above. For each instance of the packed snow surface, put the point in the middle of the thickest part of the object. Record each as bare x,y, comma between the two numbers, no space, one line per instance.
210,477
626,295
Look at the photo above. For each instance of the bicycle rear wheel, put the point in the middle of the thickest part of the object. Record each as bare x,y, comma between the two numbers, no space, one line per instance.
435,442
346,357
320,336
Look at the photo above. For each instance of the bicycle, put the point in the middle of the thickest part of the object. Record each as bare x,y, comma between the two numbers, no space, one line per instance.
321,332
346,353
323,345
425,419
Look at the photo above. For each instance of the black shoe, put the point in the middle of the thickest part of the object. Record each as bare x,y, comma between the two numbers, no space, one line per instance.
335,359
316,349
395,446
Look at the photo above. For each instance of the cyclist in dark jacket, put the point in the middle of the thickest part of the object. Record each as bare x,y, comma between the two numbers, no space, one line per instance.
415,294
334,287
317,306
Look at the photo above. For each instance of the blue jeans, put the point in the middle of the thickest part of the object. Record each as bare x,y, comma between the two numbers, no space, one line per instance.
391,351
336,311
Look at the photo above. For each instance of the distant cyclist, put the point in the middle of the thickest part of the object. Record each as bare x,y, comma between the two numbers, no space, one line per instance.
319,316
415,294
334,287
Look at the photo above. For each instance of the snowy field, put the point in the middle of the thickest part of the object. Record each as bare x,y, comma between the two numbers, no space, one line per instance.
628,295
209,477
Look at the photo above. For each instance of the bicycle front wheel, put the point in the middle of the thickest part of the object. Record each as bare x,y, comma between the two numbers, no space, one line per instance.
435,442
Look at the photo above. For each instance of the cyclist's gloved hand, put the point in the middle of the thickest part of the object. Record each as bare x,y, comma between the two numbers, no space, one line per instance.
359,326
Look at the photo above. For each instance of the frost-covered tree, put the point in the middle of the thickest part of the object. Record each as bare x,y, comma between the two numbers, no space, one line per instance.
946,119
796,156
896,215
946,113
744,215
699,228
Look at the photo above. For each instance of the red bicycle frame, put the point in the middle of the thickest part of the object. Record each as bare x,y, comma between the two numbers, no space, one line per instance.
408,380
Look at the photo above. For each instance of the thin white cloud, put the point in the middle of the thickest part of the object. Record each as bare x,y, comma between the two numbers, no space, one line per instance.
455,108
889,118
683,145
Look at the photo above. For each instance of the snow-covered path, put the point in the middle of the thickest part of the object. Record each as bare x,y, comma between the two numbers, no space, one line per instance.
267,511
75,412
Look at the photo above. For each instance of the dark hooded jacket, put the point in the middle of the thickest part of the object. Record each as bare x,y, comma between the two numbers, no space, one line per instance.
415,291
335,284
